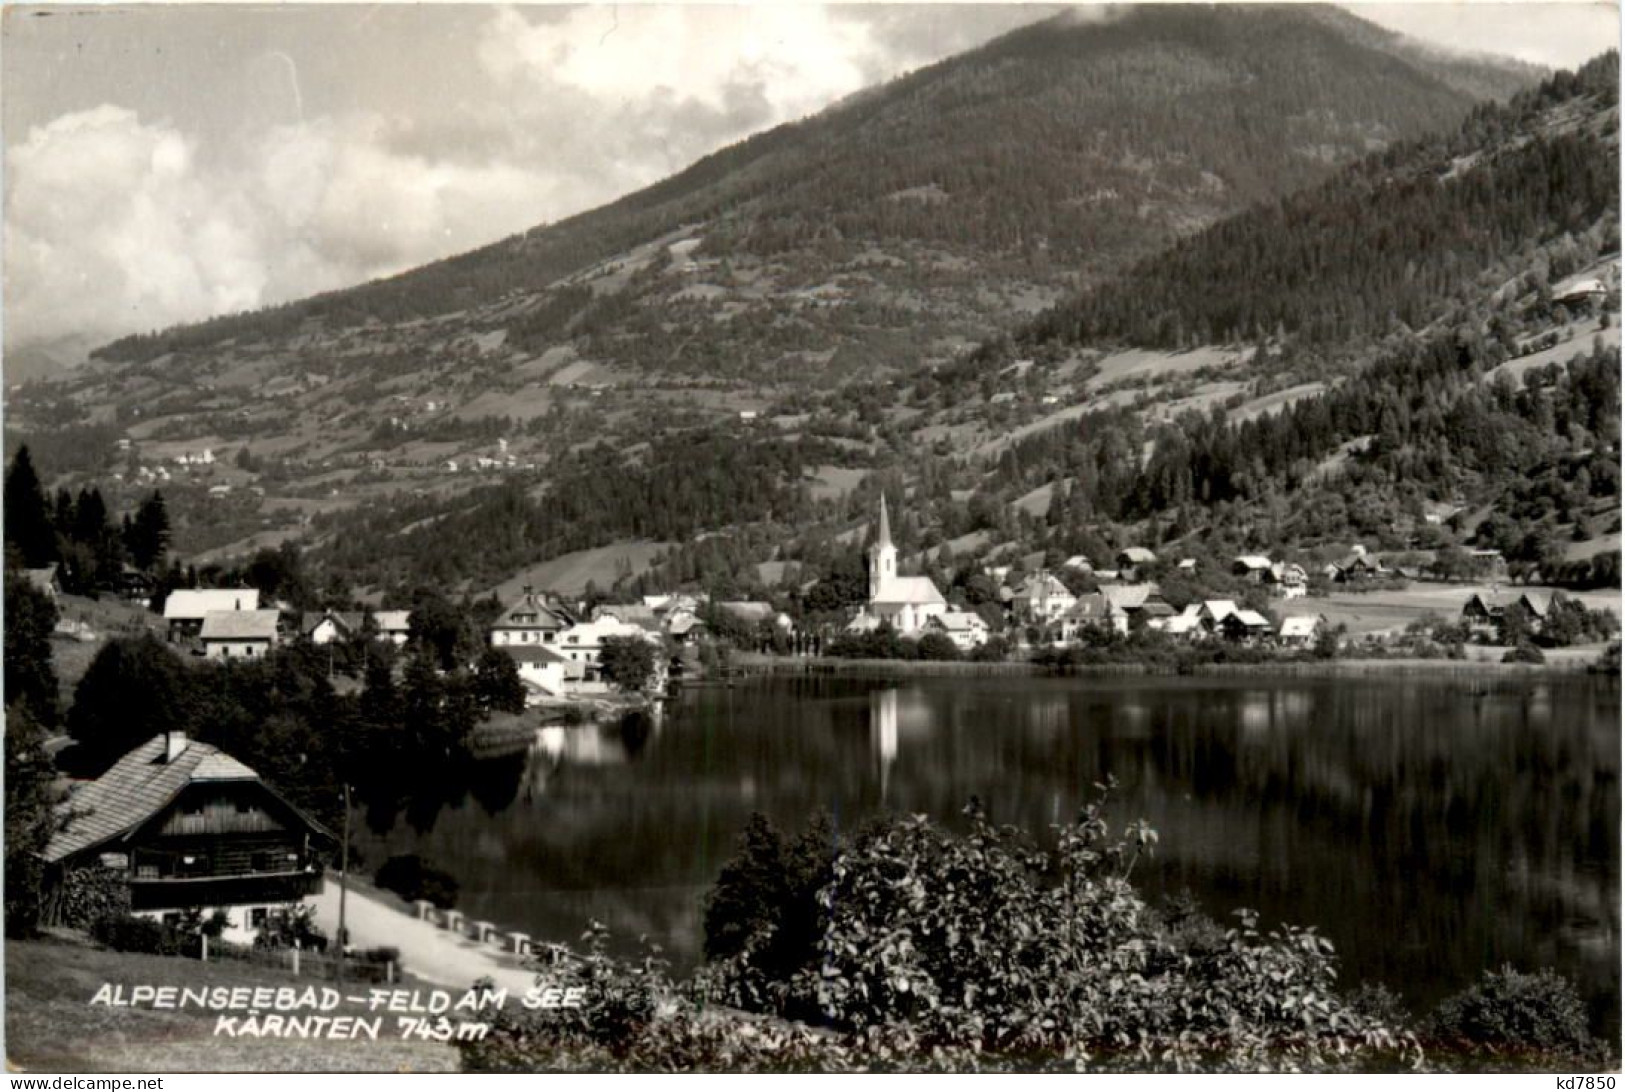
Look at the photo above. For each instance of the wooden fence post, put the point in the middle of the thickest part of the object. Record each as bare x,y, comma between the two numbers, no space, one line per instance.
204,957
296,959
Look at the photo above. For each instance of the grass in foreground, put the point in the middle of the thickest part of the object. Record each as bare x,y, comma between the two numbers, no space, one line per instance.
52,1027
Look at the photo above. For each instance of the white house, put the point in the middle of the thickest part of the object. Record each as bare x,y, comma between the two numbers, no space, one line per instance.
238,634
581,643
1042,598
542,670
907,602
1300,630
536,619
184,608
965,628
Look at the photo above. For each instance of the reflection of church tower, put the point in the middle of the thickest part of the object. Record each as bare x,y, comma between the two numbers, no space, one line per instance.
882,556
883,733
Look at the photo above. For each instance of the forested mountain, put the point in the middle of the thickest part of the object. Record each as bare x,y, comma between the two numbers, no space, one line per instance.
1066,148
1383,244
1308,289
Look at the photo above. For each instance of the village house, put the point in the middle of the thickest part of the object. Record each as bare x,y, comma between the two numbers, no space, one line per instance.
1300,630
1186,625
46,581
1212,613
188,827
1355,567
581,644
544,672
1042,598
239,634
1132,561
185,608
1245,626
907,603
1078,563
754,612
537,618
634,614
1142,605
394,626
1254,567
1094,611
1484,614
1289,579
965,628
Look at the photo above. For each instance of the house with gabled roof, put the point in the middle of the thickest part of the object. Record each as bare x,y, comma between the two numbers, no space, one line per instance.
1300,630
1244,625
184,608
1135,558
967,629
535,619
1254,567
1097,611
1042,598
239,634
189,827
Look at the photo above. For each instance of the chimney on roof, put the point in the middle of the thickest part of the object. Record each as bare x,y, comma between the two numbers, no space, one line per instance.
174,744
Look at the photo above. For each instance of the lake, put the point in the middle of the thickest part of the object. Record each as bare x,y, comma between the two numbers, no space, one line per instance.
1431,827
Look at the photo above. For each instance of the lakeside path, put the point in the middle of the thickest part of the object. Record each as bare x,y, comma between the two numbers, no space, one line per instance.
427,951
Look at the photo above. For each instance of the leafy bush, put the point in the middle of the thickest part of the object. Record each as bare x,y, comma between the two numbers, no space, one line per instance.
927,950
1538,1018
129,933
412,879
89,895
1524,653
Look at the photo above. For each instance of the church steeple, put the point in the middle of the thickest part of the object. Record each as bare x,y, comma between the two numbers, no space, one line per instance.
882,556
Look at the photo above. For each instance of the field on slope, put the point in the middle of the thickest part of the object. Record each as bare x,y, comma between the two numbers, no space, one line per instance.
568,574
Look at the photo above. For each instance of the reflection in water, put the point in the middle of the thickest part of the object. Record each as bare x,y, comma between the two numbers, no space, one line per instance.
1431,827
883,730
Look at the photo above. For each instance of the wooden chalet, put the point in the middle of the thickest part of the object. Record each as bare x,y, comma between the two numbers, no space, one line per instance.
190,828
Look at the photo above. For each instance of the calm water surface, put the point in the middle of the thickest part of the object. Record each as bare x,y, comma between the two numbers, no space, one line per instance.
1431,827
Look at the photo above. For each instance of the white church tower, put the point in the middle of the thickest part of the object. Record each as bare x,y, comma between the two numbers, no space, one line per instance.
882,557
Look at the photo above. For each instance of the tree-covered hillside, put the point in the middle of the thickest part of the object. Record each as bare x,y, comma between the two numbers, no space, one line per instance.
1385,245
1070,146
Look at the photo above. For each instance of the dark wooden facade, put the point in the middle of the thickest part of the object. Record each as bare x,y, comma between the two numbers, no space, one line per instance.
218,843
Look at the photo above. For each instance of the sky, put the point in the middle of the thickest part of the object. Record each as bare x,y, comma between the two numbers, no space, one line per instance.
165,163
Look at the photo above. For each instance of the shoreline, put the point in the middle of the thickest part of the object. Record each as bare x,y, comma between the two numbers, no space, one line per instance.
762,665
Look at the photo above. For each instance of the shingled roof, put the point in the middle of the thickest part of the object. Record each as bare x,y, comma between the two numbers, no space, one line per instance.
240,625
138,787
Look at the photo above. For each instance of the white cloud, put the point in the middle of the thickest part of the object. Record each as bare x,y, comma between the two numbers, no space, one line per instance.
117,222
796,57
114,224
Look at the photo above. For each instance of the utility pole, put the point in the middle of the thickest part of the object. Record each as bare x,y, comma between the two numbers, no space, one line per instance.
344,869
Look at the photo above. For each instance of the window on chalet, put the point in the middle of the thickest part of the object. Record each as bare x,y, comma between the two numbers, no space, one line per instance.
257,917
264,861
192,864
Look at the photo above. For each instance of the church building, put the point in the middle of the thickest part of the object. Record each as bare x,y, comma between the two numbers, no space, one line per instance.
907,602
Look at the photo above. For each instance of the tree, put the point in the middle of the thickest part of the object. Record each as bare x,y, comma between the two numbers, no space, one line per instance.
30,676
27,516
497,686
134,689
148,538
30,817
938,646
627,662
749,891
